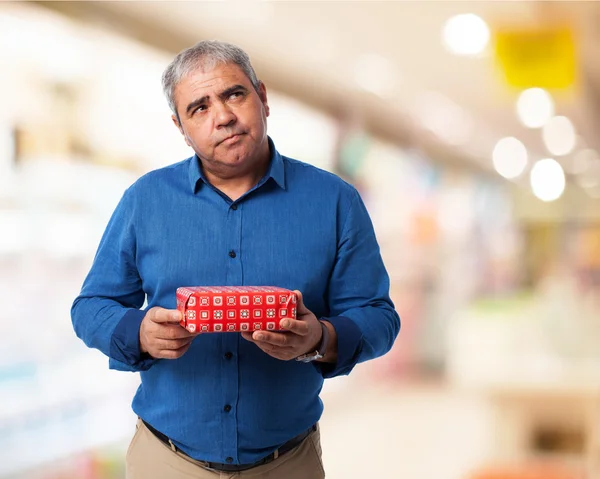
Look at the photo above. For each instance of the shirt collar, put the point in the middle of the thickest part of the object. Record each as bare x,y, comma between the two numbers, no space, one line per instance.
276,170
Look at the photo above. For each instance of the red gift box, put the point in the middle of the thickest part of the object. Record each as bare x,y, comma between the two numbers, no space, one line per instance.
208,309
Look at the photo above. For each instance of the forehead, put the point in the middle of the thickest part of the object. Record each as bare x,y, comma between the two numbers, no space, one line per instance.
210,79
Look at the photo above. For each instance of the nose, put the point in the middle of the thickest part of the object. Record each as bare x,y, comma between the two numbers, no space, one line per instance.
224,116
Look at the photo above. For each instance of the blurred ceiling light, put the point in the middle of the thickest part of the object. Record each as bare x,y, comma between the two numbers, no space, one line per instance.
375,74
589,178
445,118
465,34
583,160
509,157
587,182
535,107
547,180
559,135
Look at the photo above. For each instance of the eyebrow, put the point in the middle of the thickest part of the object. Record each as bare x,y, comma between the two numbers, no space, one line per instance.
224,94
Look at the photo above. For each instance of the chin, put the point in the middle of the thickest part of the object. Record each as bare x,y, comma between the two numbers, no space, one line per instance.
235,159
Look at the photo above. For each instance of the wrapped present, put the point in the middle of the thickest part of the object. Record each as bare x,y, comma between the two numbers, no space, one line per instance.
215,309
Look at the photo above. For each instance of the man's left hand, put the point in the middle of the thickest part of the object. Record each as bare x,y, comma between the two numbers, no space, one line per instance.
299,336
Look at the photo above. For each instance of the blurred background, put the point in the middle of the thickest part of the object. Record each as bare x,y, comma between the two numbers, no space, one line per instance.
471,131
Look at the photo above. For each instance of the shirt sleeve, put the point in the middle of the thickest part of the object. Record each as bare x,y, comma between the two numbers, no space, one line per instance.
106,315
362,313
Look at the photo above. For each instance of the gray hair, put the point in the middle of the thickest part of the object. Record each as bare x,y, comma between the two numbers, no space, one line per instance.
206,55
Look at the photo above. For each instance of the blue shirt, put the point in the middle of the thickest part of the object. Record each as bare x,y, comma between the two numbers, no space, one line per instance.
299,228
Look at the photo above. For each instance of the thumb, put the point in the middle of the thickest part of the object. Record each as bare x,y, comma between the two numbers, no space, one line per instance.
162,315
301,309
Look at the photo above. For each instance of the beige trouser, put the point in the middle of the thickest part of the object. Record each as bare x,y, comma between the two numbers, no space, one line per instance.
149,458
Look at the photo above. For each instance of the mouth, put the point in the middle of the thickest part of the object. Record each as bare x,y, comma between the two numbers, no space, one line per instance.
231,139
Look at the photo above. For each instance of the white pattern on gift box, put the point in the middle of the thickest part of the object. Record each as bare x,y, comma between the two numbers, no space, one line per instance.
245,313
218,300
191,314
244,299
218,314
204,327
283,299
283,312
244,326
230,326
231,314
257,299
270,299
218,327
230,300
191,328
257,326
258,313
270,313
203,314
192,301
204,301
270,326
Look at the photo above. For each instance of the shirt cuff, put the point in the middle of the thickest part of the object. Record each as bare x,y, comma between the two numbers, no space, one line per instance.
349,346
125,344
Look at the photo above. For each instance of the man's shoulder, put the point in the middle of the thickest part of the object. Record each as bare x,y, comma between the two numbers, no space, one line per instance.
311,175
166,173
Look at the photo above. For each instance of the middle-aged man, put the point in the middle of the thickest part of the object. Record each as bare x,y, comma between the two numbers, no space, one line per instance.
236,213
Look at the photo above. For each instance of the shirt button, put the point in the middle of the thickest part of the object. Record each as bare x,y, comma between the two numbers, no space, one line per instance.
234,207
229,460
232,254
228,355
227,408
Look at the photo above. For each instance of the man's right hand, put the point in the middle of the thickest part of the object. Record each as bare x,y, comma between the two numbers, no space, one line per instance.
161,335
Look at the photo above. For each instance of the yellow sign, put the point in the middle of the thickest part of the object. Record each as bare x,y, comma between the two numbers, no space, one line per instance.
542,58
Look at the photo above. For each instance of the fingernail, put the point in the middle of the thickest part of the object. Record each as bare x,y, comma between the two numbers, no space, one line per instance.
259,337
176,315
285,323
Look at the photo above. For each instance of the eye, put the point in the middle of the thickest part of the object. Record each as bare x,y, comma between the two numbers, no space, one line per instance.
235,95
200,109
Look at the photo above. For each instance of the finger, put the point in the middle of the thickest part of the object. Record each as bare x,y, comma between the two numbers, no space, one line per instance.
247,336
173,353
171,344
162,315
252,336
300,307
281,340
171,331
296,326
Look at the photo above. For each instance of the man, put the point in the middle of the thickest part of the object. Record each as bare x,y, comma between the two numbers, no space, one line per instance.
236,213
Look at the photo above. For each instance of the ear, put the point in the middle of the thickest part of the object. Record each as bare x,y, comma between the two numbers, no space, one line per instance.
180,128
262,93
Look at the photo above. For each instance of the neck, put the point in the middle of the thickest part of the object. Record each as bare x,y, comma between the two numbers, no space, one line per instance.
235,187
236,183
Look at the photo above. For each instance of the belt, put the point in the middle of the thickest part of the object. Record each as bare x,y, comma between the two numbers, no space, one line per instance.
287,447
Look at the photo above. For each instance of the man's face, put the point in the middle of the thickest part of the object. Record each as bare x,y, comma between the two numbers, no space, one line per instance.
223,118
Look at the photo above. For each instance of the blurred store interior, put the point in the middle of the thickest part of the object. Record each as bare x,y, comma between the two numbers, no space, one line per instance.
471,131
